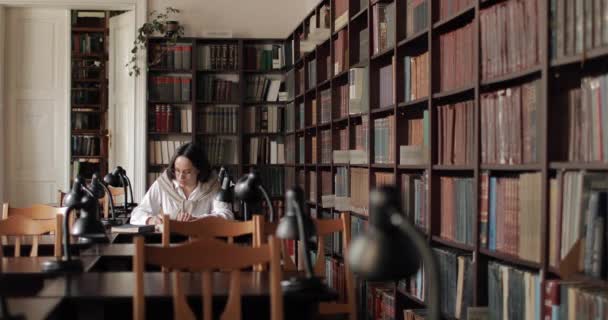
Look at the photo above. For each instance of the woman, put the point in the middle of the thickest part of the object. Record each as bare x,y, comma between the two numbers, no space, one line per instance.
186,191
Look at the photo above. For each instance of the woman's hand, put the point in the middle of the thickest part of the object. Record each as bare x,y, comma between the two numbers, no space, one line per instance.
184,216
155,220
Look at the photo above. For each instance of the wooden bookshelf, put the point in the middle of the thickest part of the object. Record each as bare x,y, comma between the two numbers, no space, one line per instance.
89,93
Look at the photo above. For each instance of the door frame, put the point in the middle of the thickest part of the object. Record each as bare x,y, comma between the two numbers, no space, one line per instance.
140,7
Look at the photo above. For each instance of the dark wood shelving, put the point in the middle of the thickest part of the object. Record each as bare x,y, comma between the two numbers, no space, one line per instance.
383,165
173,102
89,29
341,164
364,166
382,53
74,156
460,91
262,134
216,134
170,133
340,75
325,125
220,71
412,166
387,109
453,244
207,102
265,103
411,297
453,167
360,64
324,165
590,55
169,70
448,22
510,258
511,167
311,90
86,89
272,71
413,39
87,80
323,84
358,14
578,165
412,103
335,33
338,120
509,78
82,132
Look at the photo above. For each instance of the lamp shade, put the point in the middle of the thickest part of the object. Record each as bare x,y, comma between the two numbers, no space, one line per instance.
96,188
225,194
288,226
88,225
113,179
247,188
76,193
384,252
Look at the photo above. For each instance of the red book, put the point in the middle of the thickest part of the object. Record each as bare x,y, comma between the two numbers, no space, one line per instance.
551,298
157,118
169,123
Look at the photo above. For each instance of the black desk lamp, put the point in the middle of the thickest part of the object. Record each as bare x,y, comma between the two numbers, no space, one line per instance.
86,226
392,247
99,189
226,194
248,189
118,178
298,226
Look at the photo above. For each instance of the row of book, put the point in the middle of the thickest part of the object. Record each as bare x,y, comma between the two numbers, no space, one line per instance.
264,57
576,26
218,88
359,154
456,135
383,18
311,72
86,97
160,152
456,64
88,73
266,150
341,52
358,90
513,293
577,214
342,189
301,81
168,118
263,88
326,149
85,121
384,140
359,191
326,104
452,7
509,130
312,186
416,150
414,193
340,13
85,145
456,207
88,43
414,285
570,300
171,56
290,149
386,80
509,37
342,97
327,192
170,88
273,180
587,116
218,119
417,16
221,150
290,117
456,277
379,301
510,215
416,72
264,119
218,57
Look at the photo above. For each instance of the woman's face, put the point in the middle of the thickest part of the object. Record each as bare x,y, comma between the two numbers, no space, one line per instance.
185,173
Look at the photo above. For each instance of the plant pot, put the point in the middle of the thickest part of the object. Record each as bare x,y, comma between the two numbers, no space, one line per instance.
171,27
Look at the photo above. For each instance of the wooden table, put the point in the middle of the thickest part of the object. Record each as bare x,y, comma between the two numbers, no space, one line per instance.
46,245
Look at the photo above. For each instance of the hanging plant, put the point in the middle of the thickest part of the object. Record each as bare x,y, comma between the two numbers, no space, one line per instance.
159,24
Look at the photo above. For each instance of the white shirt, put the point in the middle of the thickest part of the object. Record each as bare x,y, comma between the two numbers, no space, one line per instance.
156,201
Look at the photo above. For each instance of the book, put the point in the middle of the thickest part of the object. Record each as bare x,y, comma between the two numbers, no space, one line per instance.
132,228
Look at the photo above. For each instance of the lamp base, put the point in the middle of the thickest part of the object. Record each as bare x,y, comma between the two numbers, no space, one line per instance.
62,266
111,222
301,285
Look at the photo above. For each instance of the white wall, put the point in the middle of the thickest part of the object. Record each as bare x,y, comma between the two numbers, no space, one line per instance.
2,113
246,18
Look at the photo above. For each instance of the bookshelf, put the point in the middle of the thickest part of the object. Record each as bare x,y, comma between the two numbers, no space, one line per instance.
89,93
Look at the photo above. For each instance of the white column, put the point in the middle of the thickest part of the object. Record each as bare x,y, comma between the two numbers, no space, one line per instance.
2,109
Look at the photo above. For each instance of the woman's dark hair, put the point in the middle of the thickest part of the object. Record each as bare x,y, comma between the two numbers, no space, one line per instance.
196,155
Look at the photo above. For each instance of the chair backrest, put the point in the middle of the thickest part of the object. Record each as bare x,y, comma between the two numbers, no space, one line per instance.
19,225
218,255
115,192
263,230
211,227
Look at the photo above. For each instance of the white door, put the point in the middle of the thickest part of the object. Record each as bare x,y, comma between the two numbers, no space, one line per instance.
37,104
121,93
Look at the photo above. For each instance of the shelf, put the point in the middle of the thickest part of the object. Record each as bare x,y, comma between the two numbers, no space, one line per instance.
86,132
261,134
89,29
324,165
383,165
382,53
207,134
169,102
338,120
323,83
360,64
83,106
325,125
579,165
359,215
455,92
455,18
311,90
511,167
87,110
453,167
311,128
513,76
358,14
580,59
387,109
311,203
364,166
74,157
169,70
413,103
218,71
87,80
263,165
340,75
453,244
510,258
210,102
76,56
345,26
414,38
271,71
265,103
411,297
587,279
170,133
412,166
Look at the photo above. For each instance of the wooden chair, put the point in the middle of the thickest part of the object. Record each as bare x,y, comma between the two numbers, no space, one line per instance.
19,225
218,255
211,227
39,213
116,193
263,230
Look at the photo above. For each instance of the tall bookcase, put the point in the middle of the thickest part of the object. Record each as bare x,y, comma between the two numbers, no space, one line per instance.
487,114
89,93
199,91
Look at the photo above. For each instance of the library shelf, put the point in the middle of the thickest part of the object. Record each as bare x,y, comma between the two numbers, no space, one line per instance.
412,167
359,215
75,157
364,166
335,33
413,38
468,90
265,103
311,128
325,125
263,134
385,52
557,165
218,71
453,167
359,14
311,203
171,102
87,80
269,71
86,89
206,102
453,244
383,110
81,132
410,296
337,164
170,133
169,70
513,77
455,19
383,165
488,3
311,91
413,103
87,110
511,167
342,119
590,55
323,84
509,258
262,165
88,29
340,75
361,64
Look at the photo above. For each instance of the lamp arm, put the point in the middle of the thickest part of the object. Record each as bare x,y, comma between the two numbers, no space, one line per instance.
428,260
124,186
269,202
88,191
303,242
66,233
111,199
130,188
